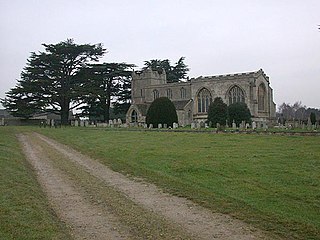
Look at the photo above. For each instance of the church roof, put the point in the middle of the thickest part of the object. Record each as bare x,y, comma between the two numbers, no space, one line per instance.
233,76
143,108
179,105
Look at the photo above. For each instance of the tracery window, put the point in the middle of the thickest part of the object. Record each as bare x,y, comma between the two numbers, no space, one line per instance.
169,93
183,93
236,95
134,116
204,99
261,97
155,94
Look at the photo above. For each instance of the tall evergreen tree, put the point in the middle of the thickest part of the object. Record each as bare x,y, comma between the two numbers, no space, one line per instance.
175,73
239,112
218,112
108,83
51,80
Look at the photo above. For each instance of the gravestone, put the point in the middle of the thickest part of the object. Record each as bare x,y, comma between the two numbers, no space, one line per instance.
2,122
193,125
110,123
206,125
145,125
52,123
254,125
165,125
175,125
201,125
309,125
247,125
81,123
150,126
76,123
119,121
218,126
114,121
234,125
159,125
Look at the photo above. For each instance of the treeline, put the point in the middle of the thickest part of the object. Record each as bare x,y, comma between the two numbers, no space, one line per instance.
297,111
67,76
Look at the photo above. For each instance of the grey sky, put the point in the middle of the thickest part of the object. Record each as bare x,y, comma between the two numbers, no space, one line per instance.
216,37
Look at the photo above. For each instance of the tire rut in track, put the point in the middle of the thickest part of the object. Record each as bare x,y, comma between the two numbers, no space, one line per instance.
197,222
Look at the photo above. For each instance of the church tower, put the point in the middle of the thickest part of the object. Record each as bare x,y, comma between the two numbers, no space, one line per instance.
145,79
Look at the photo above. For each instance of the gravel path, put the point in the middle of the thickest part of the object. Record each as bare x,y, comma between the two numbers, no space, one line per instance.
179,217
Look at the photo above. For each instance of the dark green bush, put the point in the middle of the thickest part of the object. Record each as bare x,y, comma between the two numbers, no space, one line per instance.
161,111
239,112
218,112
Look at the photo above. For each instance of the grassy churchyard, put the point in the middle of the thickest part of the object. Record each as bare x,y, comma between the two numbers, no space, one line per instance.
269,181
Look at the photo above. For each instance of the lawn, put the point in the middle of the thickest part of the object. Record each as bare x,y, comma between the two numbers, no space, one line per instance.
24,210
272,182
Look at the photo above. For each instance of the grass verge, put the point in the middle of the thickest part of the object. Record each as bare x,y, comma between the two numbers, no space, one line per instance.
24,210
269,181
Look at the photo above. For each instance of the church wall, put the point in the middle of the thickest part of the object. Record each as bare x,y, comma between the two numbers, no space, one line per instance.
145,83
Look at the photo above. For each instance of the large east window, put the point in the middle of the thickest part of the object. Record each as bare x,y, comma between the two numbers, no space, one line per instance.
204,99
236,95
261,97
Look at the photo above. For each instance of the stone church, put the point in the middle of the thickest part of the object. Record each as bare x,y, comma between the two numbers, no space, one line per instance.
192,98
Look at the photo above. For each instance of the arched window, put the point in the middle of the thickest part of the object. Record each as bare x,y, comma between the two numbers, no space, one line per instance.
134,116
261,97
155,94
169,93
235,95
204,99
183,93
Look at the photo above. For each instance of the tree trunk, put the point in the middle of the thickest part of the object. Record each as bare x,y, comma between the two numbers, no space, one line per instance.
64,112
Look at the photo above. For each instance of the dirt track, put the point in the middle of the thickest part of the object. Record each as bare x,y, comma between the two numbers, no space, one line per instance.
98,203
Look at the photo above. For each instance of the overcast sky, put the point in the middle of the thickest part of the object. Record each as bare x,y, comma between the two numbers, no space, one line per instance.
216,37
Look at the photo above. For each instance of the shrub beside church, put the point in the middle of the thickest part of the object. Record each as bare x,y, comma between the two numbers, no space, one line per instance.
161,111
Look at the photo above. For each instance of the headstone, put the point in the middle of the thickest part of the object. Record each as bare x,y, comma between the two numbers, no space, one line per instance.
119,121
218,126
234,125
247,125
110,123
202,124
81,123
303,126
114,121
145,125
165,125
2,122
254,125
150,126
193,125
76,123
264,125
159,125
175,125
52,122
206,125
309,125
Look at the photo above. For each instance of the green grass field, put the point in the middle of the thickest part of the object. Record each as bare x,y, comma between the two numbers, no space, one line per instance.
272,182
24,210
